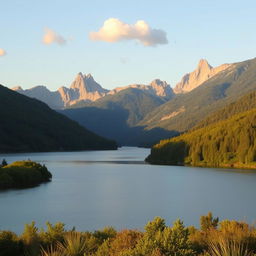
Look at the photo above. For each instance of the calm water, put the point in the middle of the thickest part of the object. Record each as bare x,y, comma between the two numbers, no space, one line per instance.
91,190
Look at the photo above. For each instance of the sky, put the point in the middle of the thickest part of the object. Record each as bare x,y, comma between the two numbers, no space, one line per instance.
120,42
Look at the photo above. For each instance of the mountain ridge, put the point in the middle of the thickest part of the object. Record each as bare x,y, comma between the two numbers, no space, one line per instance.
202,73
215,93
85,89
29,125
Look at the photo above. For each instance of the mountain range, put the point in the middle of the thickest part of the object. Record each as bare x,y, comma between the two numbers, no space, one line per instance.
140,114
185,110
85,89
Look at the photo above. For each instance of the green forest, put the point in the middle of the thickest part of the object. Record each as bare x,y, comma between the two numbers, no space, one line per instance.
213,238
227,143
23,174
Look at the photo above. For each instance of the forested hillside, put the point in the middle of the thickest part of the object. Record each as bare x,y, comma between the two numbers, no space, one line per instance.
228,143
244,103
29,125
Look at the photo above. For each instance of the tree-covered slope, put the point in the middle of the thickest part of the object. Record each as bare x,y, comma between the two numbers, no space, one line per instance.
116,116
243,104
186,110
228,143
30,125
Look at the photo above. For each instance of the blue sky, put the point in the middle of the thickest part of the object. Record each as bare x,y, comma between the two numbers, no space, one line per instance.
220,31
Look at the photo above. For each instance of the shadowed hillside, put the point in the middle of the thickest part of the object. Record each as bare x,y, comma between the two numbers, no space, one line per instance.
116,116
30,125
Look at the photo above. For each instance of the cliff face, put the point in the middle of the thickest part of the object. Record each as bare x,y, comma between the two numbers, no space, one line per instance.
203,72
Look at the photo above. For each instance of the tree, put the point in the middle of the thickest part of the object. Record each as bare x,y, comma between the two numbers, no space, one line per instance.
4,163
208,222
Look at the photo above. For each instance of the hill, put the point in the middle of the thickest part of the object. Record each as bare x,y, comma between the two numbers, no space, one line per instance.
243,104
115,117
30,125
186,110
227,143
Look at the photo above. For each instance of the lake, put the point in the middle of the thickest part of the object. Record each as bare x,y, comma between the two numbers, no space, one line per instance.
94,189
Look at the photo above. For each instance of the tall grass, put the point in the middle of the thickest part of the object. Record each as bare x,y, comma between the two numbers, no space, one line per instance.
51,251
226,247
74,244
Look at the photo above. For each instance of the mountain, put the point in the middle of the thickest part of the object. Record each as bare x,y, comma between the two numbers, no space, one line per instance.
157,87
186,110
29,125
83,88
227,143
52,99
116,116
203,72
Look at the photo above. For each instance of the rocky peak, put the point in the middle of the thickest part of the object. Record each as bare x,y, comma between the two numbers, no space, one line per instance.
203,72
161,88
17,88
86,83
89,76
203,63
158,83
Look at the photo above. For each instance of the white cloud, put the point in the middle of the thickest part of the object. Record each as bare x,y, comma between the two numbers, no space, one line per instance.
114,30
2,52
51,37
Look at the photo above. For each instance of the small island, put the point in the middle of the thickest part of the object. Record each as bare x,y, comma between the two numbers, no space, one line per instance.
23,174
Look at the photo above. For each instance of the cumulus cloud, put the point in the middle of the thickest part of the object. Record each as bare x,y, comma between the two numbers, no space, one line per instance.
51,37
114,30
2,52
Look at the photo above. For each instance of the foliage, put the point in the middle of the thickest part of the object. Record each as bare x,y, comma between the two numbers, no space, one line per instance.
23,174
229,238
9,244
223,247
208,222
73,245
228,143
245,103
53,233
31,126
4,163
31,239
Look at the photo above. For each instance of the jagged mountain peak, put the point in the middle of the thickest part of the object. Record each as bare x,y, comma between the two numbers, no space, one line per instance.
89,76
158,82
203,63
203,72
86,83
161,88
